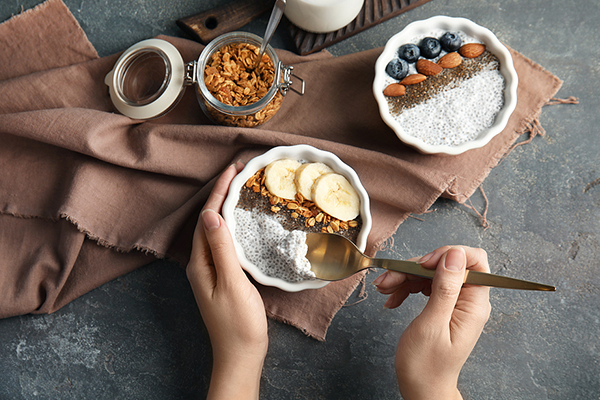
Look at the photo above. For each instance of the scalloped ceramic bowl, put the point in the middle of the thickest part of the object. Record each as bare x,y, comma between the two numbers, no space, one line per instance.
299,152
425,27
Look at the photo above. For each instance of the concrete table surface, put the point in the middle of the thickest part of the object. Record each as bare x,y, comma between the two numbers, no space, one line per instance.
141,336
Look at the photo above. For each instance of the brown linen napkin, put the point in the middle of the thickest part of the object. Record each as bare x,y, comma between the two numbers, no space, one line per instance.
87,195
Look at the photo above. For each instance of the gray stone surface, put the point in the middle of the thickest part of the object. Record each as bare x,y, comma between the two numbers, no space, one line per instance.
141,336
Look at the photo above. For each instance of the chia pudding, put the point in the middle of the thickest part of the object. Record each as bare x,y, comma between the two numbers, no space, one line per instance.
452,106
272,230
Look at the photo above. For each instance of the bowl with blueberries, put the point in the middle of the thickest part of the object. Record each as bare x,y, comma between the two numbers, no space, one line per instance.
445,85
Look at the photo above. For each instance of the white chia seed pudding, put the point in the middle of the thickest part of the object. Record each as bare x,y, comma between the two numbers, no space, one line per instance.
457,115
273,249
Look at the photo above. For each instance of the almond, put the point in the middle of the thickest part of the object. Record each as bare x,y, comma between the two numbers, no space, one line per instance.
471,50
450,60
413,79
395,89
428,68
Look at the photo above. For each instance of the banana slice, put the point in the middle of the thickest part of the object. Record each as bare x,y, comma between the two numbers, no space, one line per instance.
333,194
279,178
306,176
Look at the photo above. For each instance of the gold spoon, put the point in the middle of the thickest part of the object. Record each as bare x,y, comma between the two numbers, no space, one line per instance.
333,257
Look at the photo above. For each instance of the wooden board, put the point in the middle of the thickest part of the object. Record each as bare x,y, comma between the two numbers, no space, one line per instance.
372,13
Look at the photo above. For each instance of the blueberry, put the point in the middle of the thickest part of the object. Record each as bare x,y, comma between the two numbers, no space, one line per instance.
397,68
409,52
450,41
430,47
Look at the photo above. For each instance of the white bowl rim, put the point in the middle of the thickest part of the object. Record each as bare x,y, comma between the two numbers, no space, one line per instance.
471,29
299,152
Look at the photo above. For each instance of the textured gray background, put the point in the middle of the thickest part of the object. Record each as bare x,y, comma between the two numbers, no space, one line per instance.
140,336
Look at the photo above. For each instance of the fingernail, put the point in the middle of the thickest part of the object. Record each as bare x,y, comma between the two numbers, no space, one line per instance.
386,305
379,279
211,220
455,259
425,258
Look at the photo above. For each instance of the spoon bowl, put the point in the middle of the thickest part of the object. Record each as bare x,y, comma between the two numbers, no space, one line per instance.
333,257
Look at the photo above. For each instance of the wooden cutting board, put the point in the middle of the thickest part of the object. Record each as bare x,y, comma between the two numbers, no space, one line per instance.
372,13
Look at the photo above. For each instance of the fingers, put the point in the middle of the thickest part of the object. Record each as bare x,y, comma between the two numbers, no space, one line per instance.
476,258
219,192
221,247
403,291
201,267
432,259
399,286
474,302
446,285
397,297
216,231
390,281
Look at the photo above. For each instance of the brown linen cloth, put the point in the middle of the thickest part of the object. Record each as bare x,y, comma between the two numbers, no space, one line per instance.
87,195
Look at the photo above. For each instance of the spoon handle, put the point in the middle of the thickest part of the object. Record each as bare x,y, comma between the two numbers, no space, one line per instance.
471,277
271,26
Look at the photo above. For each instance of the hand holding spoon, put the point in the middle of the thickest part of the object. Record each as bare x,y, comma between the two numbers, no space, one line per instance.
333,257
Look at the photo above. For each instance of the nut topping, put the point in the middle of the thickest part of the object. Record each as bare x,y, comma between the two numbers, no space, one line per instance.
450,60
428,68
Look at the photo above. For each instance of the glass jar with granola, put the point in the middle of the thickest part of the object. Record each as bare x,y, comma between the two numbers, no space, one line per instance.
231,91
150,77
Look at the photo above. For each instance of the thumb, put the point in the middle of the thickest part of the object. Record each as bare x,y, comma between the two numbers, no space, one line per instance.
221,246
447,283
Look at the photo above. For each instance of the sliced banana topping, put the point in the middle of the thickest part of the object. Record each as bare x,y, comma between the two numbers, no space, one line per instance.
279,178
336,196
307,174
316,182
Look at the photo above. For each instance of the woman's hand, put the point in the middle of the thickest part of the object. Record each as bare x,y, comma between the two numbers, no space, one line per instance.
435,346
231,307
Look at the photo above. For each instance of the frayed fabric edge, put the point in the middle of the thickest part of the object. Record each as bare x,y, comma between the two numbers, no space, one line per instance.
24,13
105,243
362,294
27,216
89,235
449,184
534,128
320,338
483,215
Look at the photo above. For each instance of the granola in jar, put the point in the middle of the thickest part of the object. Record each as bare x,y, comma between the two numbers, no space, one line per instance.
239,94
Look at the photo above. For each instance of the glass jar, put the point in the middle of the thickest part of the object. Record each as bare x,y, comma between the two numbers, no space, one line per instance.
149,79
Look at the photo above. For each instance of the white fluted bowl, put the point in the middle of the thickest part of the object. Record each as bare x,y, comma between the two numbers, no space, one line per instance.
299,152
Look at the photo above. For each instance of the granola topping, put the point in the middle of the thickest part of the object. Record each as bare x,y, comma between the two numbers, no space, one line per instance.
308,215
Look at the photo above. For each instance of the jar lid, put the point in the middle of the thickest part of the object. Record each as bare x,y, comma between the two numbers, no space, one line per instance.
147,80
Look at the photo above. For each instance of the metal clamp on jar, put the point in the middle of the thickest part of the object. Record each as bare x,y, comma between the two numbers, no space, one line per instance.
150,77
